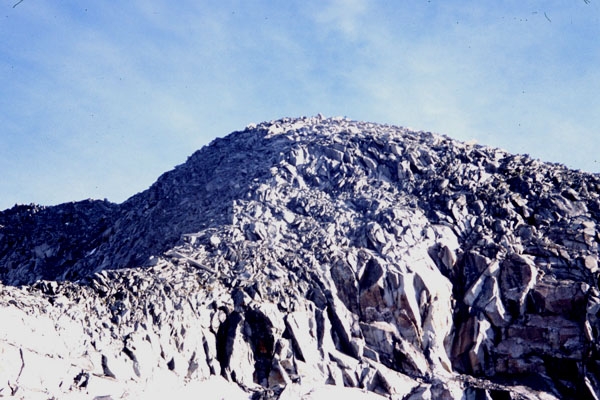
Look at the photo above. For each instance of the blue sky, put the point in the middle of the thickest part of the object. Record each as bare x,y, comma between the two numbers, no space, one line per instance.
99,98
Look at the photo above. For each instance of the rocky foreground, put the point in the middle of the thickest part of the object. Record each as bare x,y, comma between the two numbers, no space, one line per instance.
311,258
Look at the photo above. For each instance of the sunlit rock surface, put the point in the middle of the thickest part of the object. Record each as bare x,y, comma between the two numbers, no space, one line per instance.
311,258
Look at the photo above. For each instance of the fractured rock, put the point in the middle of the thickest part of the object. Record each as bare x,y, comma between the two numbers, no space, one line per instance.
312,257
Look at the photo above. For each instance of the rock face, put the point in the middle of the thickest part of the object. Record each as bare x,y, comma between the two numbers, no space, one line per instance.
312,257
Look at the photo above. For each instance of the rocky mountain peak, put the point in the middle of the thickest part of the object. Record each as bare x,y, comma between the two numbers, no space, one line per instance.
303,256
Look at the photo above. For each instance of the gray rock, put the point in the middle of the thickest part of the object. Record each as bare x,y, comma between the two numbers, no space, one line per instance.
312,256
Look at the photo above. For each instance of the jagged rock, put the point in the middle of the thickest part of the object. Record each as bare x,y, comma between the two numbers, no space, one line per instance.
312,257
517,277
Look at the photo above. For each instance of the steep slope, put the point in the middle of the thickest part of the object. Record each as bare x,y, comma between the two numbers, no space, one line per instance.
309,252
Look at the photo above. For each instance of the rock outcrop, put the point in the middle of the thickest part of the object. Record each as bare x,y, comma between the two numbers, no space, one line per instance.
312,257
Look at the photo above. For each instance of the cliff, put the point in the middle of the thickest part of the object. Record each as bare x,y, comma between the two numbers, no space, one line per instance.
311,257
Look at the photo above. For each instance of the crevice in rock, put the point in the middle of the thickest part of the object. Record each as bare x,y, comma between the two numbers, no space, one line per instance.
296,348
171,364
262,342
339,335
136,365
225,338
105,369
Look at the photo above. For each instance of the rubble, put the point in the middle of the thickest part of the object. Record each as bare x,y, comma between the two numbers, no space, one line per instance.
310,257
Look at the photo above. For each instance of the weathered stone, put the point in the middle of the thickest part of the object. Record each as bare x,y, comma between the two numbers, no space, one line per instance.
517,276
300,256
560,297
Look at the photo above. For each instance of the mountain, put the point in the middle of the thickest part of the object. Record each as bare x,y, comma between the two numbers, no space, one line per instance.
312,257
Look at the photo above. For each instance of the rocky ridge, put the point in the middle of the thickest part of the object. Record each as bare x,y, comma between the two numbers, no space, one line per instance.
307,255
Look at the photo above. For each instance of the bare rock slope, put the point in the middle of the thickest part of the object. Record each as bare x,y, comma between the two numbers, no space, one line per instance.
312,257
